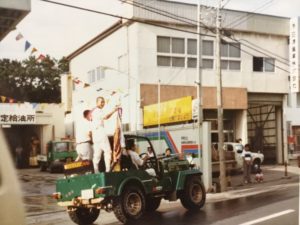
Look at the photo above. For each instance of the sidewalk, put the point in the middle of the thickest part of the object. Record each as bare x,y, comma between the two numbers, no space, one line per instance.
274,177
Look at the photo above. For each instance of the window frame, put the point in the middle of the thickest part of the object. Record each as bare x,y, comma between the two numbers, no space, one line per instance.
227,58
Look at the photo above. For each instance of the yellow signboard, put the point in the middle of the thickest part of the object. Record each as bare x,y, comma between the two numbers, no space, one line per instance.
173,111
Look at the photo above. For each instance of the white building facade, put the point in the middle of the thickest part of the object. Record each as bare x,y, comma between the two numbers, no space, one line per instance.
153,58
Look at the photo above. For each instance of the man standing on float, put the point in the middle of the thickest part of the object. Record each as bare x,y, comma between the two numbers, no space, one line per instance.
100,139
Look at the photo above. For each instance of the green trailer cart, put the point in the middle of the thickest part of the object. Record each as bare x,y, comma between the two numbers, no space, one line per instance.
57,154
129,193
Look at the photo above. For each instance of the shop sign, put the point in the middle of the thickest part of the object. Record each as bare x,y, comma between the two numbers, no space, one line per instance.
177,110
11,113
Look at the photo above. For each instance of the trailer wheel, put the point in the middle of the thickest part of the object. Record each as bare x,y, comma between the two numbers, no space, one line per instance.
84,216
193,196
152,204
130,205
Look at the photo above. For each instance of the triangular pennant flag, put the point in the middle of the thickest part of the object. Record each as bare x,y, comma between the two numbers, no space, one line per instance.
76,80
3,98
19,37
34,105
86,85
33,51
27,45
41,57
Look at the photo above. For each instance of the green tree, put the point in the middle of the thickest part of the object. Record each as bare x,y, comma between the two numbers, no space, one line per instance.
32,80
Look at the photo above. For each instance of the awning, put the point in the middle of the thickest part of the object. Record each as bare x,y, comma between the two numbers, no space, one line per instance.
11,13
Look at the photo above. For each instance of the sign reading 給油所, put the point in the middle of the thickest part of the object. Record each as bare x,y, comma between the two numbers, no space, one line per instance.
17,114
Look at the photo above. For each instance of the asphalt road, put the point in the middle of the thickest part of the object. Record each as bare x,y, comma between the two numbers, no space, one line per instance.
278,204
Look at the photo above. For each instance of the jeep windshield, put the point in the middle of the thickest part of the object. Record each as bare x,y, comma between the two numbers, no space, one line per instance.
63,146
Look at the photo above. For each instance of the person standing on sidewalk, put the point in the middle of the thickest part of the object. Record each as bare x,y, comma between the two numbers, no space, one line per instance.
84,137
100,138
247,163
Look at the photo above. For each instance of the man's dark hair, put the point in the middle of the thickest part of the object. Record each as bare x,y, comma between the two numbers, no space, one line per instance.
247,145
86,113
129,144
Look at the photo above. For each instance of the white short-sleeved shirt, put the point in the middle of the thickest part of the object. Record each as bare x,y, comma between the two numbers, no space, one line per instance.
82,131
247,155
135,158
99,134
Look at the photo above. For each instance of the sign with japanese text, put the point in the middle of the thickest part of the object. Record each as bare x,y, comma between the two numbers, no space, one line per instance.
17,114
294,55
173,111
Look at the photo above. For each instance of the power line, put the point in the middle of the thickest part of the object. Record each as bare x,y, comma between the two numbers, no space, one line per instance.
225,4
154,24
158,11
243,18
126,18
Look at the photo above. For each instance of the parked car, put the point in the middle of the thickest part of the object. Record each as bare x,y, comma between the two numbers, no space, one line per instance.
237,148
12,210
58,153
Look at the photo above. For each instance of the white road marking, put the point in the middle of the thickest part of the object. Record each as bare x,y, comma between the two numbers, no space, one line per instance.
268,217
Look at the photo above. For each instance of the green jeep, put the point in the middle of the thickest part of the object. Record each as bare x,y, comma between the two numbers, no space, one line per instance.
129,192
58,153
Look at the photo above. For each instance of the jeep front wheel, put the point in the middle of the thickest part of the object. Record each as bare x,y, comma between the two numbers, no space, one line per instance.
193,196
83,215
130,205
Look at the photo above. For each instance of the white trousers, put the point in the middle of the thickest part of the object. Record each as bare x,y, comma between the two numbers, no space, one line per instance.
100,147
84,151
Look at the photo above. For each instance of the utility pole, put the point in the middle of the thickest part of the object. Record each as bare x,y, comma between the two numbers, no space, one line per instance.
223,183
158,111
199,85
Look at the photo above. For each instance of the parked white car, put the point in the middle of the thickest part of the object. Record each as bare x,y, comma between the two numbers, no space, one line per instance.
12,210
257,158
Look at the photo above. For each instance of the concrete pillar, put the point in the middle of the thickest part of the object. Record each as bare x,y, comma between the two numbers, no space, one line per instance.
46,136
241,130
206,155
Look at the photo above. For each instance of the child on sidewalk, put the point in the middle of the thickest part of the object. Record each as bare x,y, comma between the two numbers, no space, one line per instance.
259,176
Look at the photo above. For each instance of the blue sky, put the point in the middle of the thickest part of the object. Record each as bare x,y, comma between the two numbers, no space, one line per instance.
58,31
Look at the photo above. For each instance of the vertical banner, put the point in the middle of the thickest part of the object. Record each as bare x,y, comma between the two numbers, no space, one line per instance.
294,55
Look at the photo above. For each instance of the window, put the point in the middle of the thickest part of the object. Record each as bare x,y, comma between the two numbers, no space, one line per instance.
177,62
163,44
180,52
171,51
269,64
230,56
207,63
207,54
298,100
207,48
192,63
261,64
91,76
192,47
163,61
100,73
178,45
